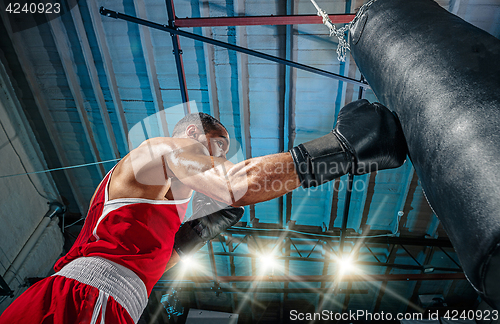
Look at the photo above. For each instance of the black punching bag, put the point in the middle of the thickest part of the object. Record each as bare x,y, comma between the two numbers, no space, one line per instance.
441,75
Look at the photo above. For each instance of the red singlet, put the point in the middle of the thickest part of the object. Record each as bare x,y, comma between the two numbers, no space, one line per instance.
108,274
134,232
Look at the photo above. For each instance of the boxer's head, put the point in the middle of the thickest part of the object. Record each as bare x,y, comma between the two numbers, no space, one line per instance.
205,129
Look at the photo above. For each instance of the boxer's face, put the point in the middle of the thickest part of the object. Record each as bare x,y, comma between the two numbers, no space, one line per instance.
217,141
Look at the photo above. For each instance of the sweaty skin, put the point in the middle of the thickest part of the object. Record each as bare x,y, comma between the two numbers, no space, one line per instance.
170,168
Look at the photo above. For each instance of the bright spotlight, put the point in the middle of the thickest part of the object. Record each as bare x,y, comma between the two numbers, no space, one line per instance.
188,262
268,261
346,265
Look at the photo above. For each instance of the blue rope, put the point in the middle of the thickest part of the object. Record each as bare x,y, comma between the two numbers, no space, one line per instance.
57,169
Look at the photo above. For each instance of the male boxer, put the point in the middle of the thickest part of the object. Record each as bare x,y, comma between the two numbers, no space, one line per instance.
129,233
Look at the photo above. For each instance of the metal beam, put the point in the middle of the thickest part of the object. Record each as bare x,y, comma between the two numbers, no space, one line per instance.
324,272
287,267
66,55
108,68
408,202
347,297
243,89
383,285
453,260
232,270
213,96
364,263
117,15
179,63
185,288
347,204
418,284
154,84
406,197
94,78
41,103
335,204
411,255
346,213
213,265
335,238
370,191
320,278
261,20
289,122
253,246
288,114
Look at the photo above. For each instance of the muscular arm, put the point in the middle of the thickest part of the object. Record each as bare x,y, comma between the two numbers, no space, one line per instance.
266,177
248,182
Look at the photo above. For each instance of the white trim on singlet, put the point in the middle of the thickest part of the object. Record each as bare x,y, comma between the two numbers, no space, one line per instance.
111,205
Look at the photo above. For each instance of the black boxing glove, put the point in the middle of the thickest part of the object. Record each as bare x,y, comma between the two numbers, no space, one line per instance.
366,138
209,219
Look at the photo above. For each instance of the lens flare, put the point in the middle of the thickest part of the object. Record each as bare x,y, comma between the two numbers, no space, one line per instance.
267,262
188,262
346,265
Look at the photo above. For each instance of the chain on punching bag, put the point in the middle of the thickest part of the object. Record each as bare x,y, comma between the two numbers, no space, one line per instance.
441,75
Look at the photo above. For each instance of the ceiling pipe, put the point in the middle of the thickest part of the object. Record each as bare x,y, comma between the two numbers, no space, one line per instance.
55,209
166,28
179,62
261,20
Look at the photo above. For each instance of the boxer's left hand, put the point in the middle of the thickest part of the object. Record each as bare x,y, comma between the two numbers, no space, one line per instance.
210,218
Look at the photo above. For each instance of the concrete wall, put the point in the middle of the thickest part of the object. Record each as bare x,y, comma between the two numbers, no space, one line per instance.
23,199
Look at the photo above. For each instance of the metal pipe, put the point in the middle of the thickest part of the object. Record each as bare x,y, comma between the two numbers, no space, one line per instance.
261,20
117,15
55,208
177,51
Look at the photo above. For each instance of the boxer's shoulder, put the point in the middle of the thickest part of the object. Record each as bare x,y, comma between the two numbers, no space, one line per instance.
166,145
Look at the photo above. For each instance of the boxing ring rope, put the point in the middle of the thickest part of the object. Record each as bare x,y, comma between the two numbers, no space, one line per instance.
61,168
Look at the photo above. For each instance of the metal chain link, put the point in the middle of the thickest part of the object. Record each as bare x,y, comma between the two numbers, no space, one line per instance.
343,46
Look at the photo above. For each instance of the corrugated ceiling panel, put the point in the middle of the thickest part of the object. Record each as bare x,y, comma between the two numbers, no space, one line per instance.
265,102
130,67
43,55
89,99
96,54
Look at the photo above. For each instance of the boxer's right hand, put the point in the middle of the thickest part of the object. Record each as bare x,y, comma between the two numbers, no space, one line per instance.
366,138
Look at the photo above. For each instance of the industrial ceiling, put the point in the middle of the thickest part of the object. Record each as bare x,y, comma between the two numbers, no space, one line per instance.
93,86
